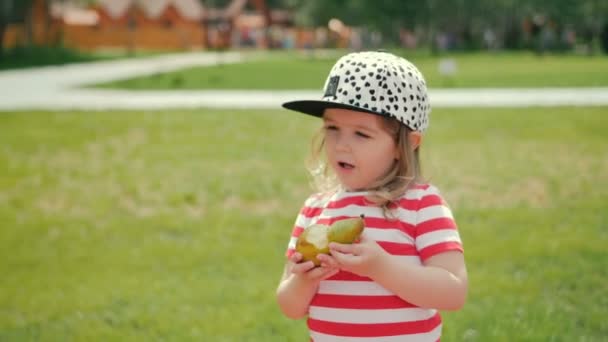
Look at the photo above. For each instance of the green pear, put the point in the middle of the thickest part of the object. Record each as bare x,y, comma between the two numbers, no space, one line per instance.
313,241
347,230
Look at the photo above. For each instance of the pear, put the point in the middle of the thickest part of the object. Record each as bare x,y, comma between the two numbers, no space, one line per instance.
346,231
313,241
316,238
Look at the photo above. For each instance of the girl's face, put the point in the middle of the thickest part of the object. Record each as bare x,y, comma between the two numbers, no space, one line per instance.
358,148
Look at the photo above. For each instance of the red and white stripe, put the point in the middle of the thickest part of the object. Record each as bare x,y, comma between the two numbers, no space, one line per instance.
348,307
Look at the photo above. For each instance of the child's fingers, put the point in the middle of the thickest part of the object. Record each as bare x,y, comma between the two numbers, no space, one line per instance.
302,267
342,248
327,261
344,259
295,257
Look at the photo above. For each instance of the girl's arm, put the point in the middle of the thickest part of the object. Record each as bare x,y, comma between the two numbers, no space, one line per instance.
299,284
441,283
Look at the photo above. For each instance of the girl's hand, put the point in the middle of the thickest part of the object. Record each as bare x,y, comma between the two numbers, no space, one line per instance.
309,272
361,258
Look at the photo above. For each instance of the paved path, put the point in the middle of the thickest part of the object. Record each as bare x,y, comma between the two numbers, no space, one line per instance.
61,88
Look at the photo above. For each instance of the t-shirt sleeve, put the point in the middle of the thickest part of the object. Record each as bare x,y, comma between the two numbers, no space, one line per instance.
436,231
307,213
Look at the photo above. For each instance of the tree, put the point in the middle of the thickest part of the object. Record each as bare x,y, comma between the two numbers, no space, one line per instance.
461,17
11,11
6,10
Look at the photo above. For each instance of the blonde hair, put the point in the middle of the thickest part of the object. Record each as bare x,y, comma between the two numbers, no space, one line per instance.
404,173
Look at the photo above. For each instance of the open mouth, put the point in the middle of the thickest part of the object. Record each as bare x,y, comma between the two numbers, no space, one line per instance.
346,166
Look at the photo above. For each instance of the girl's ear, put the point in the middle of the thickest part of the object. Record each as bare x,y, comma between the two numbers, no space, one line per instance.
415,139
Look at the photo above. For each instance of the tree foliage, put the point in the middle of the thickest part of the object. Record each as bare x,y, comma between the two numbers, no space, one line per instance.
458,16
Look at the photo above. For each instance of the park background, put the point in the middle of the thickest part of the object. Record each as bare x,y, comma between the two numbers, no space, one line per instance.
171,224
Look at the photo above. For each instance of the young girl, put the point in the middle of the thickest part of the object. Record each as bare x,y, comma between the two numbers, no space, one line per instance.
409,262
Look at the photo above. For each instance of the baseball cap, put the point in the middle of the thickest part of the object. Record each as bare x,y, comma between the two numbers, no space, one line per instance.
375,82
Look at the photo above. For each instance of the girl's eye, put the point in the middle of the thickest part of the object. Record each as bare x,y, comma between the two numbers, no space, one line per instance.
362,135
331,128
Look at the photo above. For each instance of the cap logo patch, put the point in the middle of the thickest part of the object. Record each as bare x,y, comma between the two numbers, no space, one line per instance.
332,86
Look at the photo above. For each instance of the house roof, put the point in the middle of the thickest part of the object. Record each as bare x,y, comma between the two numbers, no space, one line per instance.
115,8
190,9
73,14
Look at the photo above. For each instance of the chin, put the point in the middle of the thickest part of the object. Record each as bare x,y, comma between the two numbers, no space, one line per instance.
349,187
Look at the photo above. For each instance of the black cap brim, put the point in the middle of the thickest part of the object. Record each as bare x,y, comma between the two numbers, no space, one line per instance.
318,107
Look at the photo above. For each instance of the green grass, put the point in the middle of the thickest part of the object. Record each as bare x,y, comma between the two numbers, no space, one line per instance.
285,71
172,225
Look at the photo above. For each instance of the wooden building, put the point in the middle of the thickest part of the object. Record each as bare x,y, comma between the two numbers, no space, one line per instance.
152,25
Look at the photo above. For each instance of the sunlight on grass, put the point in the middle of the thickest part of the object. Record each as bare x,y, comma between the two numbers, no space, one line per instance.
286,71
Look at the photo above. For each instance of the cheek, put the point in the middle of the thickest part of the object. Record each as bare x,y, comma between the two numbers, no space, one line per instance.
327,144
328,148
328,139
384,162
384,157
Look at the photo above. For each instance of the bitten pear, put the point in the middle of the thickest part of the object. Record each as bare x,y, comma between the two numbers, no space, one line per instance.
315,239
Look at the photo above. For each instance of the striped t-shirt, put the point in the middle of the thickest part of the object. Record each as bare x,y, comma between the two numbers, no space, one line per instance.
348,307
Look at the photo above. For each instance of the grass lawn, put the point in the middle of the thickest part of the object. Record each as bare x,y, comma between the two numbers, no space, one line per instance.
144,226
297,71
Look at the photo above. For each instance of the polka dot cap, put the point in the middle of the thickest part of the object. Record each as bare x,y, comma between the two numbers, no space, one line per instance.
374,82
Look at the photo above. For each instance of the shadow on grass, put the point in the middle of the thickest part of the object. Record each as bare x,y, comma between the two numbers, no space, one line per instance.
32,56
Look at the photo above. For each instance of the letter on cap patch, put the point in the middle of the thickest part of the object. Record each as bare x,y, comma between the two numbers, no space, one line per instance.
332,86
